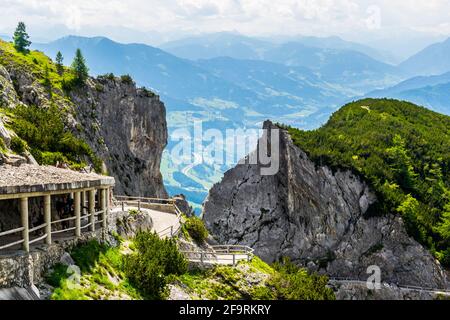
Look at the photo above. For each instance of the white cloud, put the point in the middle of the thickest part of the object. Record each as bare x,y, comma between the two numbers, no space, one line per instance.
254,17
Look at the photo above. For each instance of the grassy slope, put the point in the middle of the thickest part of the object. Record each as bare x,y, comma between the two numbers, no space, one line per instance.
103,278
43,130
402,150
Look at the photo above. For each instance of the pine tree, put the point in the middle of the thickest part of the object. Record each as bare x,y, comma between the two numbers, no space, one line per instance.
79,68
21,42
59,63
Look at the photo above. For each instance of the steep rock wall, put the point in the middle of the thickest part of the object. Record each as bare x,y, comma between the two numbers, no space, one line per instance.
318,218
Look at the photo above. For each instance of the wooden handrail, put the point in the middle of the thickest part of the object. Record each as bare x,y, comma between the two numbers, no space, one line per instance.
6,233
38,239
64,220
42,226
63,230
12,244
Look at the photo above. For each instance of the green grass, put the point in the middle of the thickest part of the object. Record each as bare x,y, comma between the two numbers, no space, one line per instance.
282,281
34,63
102,275
43,130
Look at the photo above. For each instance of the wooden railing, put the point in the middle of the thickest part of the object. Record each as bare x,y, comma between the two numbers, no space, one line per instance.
170,231
222,254
74,223
11,232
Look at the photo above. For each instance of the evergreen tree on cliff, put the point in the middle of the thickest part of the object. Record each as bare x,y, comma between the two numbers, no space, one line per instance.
59,63
79,68
21,42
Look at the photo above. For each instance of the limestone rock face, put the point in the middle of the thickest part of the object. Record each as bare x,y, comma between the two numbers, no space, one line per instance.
319,218
125,126
128,225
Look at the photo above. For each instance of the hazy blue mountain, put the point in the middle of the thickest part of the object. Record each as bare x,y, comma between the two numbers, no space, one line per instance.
413,83
432,92
168,75
433,60
223,93
234,45
283,88
345,67
334,42
222,44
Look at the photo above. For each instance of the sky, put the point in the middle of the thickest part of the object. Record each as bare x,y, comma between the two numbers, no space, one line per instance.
399,25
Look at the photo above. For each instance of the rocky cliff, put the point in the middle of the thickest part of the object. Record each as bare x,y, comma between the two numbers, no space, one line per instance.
124,126
127,128
321,219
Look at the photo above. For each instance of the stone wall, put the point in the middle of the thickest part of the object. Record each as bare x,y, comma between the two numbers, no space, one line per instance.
24,270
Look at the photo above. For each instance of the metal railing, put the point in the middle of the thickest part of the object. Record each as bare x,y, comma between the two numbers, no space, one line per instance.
221,255
385,284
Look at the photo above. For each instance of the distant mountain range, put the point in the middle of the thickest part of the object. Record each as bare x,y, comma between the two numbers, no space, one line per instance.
432,92
351,65
238,46
433,60
231,81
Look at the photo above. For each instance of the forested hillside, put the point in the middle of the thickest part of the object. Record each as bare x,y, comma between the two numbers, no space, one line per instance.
403,151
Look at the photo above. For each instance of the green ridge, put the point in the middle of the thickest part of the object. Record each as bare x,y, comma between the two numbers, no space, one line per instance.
403,151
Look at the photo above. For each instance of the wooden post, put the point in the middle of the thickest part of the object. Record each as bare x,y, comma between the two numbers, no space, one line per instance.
48,218
76,198
83,203
234,260
105,207
171,231
25,225
123,206
139,205
92,209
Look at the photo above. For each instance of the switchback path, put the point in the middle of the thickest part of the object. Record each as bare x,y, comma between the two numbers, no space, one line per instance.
445,292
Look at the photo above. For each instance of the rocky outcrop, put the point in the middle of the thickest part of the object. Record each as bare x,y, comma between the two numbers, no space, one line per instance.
128,224
125,126
321,219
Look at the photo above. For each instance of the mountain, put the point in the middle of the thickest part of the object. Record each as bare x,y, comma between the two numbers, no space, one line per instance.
337,43
214,45
433,60
431,92
235,45
345,67
365,189
343,63
205,91
109,123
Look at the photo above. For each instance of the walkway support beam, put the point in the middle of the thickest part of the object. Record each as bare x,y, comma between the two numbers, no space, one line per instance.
25,225
92,209
48,218
105,207
77,204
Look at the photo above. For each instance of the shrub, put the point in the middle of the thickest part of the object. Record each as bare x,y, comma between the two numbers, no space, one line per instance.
133,212
127,79
196,229
154,260
293,283
108,76
18,145
86,256
148,93
44,131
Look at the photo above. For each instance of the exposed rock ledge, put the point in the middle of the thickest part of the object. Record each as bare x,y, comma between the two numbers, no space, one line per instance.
318,218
